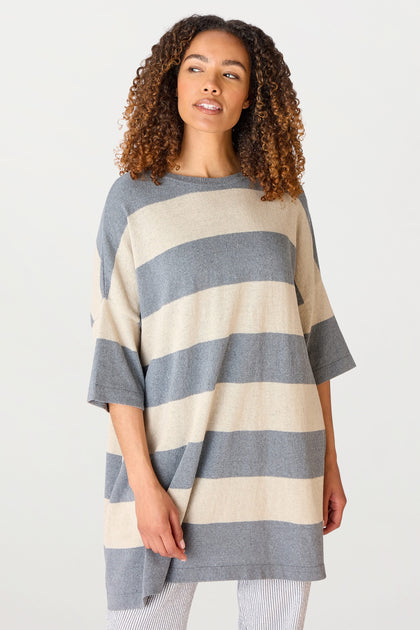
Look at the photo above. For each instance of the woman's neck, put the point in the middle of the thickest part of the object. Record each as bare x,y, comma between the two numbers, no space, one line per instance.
205,154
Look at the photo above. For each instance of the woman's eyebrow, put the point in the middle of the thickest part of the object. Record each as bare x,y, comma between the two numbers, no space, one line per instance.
225,62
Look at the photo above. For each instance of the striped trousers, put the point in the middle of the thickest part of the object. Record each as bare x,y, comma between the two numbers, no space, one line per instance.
267,604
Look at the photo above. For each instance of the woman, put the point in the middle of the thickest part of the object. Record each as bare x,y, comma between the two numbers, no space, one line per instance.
215,340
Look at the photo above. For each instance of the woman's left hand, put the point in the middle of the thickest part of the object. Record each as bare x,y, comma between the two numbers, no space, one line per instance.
334,497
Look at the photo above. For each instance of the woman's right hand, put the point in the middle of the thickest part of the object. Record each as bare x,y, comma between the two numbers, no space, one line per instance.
158,522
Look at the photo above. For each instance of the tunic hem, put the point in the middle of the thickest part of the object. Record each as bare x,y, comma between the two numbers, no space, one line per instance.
245,571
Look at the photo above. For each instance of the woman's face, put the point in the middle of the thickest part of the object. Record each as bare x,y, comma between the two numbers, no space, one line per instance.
213,82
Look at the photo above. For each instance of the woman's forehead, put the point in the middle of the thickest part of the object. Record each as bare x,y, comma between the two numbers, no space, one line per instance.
217,46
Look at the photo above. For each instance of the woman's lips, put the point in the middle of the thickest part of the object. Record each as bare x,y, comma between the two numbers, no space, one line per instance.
210,109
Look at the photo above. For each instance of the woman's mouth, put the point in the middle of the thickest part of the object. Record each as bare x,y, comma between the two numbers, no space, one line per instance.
209,107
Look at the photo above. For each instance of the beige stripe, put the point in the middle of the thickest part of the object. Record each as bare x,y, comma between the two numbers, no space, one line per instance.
225,211
227,500
96,295
255,406
316,307
120,520
217,312
118,317
234,499
120,525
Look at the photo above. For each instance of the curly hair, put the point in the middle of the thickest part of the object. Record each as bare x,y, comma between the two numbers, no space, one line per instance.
267,137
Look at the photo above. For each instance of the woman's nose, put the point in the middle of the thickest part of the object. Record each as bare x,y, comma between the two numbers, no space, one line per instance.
211,86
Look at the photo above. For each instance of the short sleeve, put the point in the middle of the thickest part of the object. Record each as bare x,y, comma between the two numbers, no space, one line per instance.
327,349
117,374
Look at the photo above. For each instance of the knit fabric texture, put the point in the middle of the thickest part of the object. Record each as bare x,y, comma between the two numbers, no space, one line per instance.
209,313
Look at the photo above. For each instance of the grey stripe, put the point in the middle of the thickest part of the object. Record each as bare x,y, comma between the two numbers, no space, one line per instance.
238,358
338,367
262,453
121,376
111,227
217,260
231,561
327,350
116,479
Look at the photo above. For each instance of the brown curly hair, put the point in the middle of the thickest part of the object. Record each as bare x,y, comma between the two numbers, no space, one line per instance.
267,137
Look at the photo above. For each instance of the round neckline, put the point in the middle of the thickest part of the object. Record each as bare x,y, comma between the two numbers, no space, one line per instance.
200,180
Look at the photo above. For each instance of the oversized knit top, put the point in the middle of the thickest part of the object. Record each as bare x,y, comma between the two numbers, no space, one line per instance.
209,313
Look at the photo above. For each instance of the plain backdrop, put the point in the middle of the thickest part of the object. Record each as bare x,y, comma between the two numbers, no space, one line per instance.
66,71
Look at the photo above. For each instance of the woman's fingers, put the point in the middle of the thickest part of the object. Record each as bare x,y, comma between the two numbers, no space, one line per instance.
334,499
171,546
158,523
177,529
157,546
336,507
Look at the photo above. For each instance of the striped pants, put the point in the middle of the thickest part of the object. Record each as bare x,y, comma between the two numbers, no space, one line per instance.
268,604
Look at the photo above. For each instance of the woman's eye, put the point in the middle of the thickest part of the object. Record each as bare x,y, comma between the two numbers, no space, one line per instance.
194,68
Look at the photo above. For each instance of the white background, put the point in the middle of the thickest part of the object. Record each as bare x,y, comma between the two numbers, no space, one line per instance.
65,77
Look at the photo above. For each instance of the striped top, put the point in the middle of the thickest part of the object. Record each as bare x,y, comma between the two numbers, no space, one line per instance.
210,314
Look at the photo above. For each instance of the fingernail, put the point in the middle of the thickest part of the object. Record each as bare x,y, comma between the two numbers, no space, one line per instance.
182,543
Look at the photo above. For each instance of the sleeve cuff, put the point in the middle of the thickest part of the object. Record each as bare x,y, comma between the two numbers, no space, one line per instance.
327,372
100,396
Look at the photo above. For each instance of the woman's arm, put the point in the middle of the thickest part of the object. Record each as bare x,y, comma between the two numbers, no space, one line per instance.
157,514
334,497
324,391
129,428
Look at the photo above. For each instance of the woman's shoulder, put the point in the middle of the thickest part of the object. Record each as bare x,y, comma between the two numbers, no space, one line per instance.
131,194
127,195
